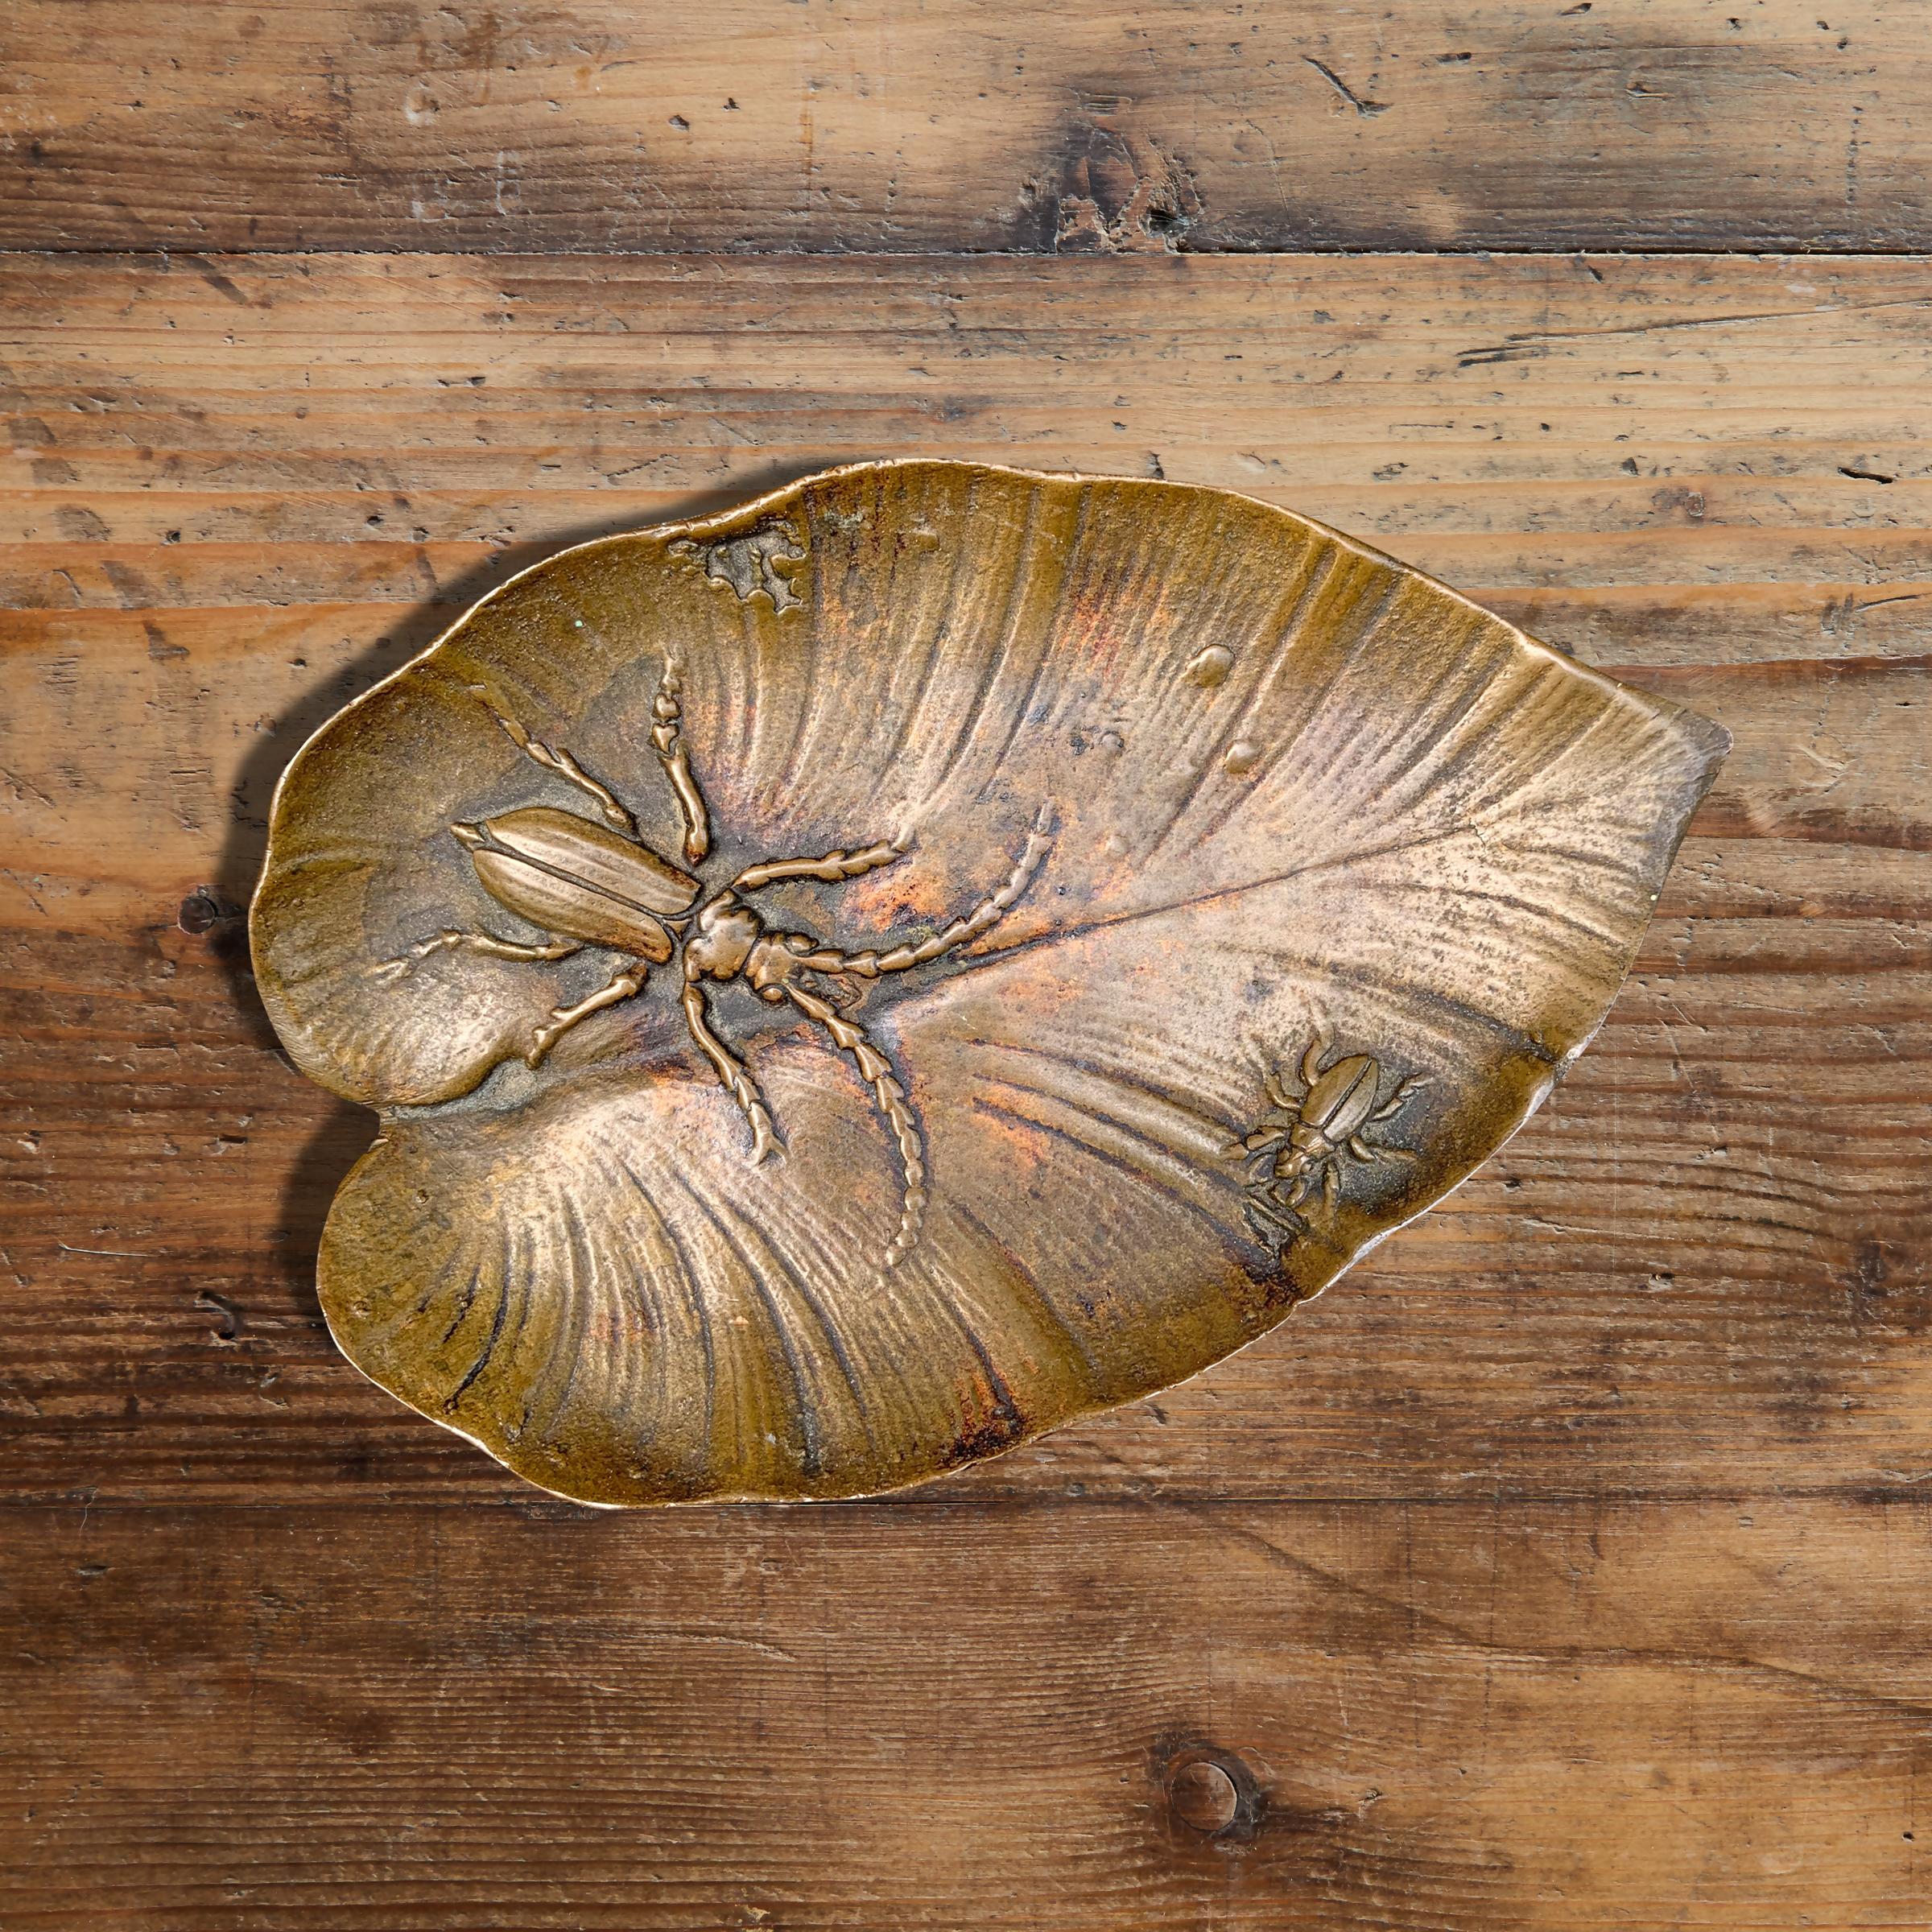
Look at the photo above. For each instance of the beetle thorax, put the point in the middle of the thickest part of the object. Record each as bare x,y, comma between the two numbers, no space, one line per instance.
727,930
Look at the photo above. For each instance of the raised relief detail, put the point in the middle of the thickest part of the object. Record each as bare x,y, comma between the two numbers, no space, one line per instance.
1305,1139
755,564
585,883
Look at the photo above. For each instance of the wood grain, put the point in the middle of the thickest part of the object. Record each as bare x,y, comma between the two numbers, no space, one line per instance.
1565,1568
863,126
1700,1271
1477,1714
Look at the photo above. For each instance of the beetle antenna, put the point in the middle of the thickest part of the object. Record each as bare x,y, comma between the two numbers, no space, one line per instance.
876,1071
1311,1060
1396,1100
614,813
1280,1225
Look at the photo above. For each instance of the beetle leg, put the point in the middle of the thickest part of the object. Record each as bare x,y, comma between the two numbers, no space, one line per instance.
830,870
668,739
565,766
876,1071
869,965
622,985
486,942
738,1083
1331,1186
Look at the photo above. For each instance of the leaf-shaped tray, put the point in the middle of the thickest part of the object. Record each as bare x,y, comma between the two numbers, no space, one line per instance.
1103,908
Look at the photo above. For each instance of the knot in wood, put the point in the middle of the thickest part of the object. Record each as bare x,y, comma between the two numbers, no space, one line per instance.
1204,1797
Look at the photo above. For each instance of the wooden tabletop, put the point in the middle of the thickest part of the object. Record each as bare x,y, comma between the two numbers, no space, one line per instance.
1567,1565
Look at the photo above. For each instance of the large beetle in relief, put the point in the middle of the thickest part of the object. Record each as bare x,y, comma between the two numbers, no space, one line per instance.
586,883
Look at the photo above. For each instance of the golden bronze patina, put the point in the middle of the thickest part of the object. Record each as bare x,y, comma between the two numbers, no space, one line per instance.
857,981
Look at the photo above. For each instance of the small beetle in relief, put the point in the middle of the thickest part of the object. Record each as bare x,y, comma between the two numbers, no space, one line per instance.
583,883
1303,1140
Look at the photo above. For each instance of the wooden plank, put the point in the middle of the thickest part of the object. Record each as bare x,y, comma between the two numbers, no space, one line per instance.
1106,126
1702,1268
1473,1715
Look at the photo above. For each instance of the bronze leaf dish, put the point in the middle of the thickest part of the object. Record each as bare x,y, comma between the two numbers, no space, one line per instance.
856,982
